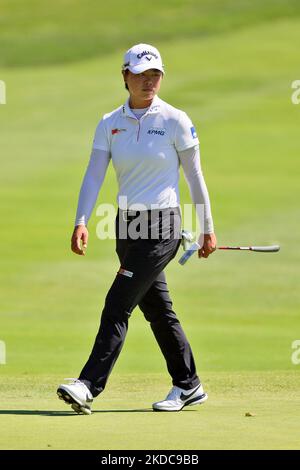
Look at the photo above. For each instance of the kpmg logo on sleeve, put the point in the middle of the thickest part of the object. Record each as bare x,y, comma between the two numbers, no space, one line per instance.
194,133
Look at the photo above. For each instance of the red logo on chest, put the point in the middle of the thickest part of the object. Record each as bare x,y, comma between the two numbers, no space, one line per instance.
117,131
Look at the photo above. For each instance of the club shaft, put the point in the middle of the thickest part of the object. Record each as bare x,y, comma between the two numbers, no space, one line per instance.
262,249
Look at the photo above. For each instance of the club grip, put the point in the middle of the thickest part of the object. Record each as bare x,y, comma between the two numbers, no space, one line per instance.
265,249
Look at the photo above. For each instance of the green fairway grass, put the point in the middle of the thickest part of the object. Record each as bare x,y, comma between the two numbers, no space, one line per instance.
32,419
231,70
40,33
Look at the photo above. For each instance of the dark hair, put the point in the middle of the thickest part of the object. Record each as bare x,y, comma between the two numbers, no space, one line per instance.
125,73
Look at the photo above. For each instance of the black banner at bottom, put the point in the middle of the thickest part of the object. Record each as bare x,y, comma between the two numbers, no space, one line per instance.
138,458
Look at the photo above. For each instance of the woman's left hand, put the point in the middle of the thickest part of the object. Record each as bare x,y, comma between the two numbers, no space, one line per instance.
208,243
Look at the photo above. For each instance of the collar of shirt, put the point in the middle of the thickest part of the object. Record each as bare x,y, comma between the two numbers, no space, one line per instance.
154,108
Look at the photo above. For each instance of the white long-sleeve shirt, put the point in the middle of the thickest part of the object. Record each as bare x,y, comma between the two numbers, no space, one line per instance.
146,148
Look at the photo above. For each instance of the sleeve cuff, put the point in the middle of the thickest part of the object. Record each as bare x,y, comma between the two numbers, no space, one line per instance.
188,145
208,226
81,221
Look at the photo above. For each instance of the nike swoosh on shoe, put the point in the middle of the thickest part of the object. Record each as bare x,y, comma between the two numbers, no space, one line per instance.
186,397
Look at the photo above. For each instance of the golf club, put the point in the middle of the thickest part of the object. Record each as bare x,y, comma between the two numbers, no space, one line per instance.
195,246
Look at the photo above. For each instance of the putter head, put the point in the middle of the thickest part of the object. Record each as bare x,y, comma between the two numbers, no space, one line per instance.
186,239
188,253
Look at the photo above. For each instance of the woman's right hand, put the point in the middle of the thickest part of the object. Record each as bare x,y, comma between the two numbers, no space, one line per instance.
79,235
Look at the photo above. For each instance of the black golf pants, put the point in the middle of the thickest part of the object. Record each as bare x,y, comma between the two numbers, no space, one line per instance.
141,281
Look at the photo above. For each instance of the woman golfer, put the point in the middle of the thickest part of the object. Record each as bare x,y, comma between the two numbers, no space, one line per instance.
147,140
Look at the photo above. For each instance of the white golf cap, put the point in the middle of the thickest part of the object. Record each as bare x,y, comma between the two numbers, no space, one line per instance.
142,57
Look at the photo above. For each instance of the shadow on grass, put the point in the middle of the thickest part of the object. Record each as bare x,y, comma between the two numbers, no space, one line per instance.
72,413
67,413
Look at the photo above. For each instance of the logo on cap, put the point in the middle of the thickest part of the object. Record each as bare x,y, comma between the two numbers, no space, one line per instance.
141,55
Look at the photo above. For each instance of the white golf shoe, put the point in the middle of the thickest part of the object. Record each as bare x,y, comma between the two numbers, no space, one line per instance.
77,395
178,398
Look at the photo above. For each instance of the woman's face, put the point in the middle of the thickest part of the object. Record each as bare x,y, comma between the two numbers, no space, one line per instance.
143,86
